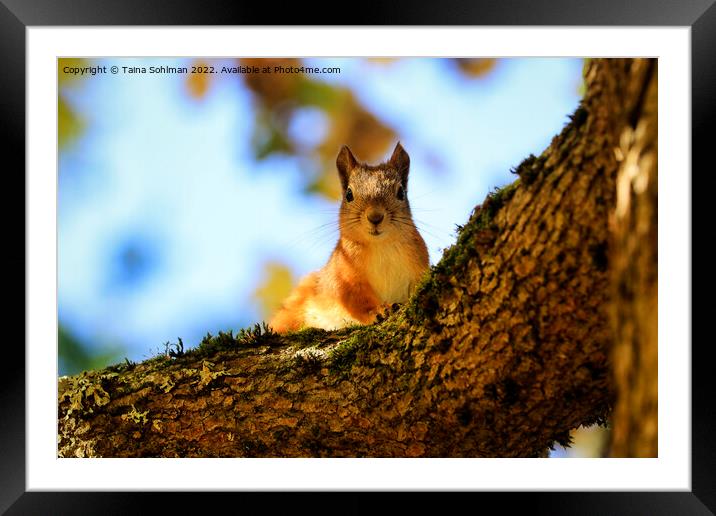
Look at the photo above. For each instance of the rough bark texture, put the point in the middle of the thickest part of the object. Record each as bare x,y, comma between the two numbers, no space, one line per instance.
503,349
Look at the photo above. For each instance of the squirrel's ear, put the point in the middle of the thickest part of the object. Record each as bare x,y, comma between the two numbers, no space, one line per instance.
401,162
345,162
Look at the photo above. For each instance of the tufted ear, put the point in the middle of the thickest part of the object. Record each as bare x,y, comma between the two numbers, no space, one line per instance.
345,162
401,162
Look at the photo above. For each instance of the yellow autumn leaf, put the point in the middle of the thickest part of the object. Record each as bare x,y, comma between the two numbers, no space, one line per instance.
275,286
71,62
476,67
69,124
382,60
197,84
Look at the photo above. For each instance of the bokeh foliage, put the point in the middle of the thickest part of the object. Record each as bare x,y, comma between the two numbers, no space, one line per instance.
70,125
75,356
274,287
279,96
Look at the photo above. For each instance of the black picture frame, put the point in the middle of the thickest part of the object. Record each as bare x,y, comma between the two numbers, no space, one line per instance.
17,15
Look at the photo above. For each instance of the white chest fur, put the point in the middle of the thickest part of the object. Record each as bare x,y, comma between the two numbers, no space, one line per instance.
388,274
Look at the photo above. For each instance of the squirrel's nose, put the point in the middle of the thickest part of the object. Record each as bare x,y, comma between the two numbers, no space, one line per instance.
375,217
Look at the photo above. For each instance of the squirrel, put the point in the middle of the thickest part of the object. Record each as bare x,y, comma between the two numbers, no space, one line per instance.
378,259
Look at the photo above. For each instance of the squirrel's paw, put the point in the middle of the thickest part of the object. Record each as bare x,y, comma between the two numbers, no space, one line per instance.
383,311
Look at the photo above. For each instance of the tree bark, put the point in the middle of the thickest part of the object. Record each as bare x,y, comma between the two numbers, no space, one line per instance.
634,283
503,349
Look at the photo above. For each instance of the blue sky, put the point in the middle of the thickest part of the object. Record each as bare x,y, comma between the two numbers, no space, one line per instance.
166,221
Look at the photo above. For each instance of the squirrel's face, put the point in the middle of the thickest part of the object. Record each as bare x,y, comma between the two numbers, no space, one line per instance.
375,202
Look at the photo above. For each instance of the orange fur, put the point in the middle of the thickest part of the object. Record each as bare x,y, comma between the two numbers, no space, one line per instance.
374,264
289,317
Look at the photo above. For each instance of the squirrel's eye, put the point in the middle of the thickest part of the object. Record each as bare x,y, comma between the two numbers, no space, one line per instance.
401,193
349,194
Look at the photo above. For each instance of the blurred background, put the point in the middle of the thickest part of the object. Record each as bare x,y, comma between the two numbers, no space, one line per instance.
192,203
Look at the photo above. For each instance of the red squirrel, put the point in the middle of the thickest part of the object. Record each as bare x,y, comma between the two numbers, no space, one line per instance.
379,257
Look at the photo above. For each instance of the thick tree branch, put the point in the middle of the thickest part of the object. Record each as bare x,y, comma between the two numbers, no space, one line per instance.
503,349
